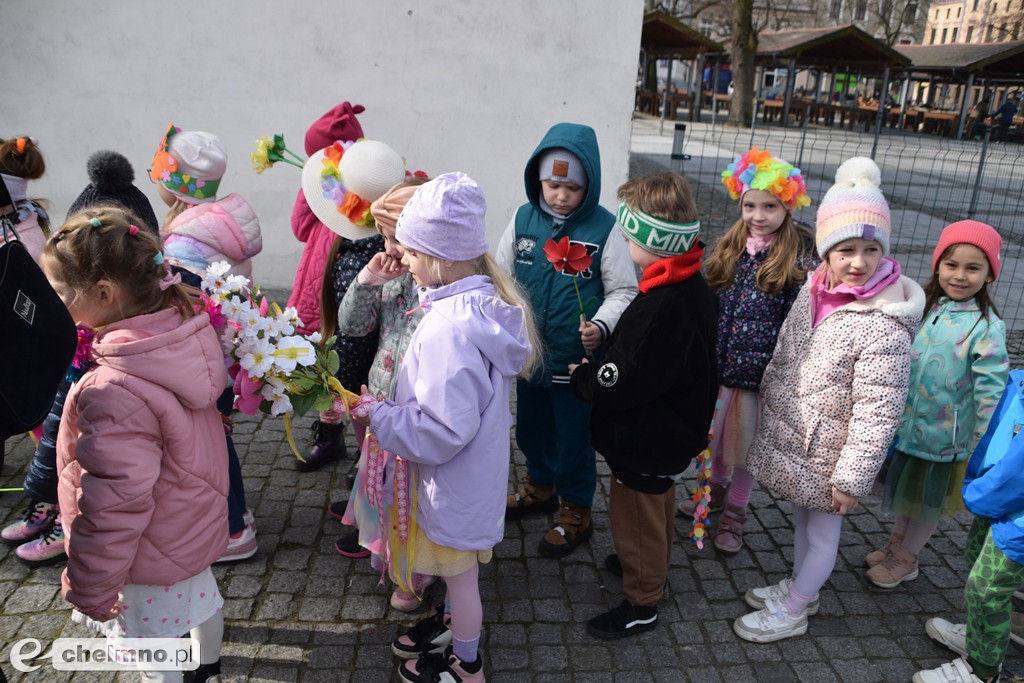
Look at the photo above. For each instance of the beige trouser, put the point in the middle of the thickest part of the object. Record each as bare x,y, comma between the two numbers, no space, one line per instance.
643,528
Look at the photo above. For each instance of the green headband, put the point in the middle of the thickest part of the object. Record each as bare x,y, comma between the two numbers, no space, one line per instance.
657,235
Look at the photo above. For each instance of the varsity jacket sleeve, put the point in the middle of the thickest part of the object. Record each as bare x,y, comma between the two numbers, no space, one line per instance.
504,253
989,367
618,277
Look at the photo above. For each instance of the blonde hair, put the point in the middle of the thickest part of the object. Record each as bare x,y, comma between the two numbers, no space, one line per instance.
780,270
84,254
664,195
177,208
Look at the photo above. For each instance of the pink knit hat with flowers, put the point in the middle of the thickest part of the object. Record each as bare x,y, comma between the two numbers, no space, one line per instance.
759,170
979,234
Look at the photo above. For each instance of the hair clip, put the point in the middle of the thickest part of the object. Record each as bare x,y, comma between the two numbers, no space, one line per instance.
158,258
57,235
20,145
133,230
95,222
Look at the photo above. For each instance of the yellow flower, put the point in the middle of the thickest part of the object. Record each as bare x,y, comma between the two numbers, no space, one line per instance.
260,159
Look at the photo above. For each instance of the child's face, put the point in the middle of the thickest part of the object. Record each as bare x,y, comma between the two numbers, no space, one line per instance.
963,272
391,246
165,194
852,262
641,257
564,198
418,266
85,308
763,213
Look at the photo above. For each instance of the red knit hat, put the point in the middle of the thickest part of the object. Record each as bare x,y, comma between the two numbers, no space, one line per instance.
339,123
979,234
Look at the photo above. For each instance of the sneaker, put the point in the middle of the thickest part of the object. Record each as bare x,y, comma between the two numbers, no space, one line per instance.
249,520
46,550
1019,594
1017,627
953,636
573,528
717,502
898,567
625,620
957,671
337,509
446,667
36,521
348,545
206,673
770,624
757,597
876,557
430,635
531,499
410,601
240,546
729,538
328,447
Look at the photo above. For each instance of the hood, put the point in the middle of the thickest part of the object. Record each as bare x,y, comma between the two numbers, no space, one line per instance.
581,141
903,300
183,356
492,325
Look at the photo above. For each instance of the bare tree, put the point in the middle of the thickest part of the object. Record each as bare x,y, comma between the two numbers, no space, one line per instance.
744,63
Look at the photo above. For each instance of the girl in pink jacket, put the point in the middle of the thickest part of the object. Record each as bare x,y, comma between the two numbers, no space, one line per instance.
141,454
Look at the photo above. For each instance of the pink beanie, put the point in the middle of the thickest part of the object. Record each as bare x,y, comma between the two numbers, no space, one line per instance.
979,234
339,123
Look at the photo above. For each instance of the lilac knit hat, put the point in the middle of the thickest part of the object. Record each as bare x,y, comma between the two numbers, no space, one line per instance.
445,219
854,207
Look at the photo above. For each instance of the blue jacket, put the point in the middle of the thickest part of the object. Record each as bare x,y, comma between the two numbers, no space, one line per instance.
994,482
610,282
958,367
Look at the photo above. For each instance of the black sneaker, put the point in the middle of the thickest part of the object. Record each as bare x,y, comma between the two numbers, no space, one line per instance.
206,673
446,667
337,509
328,447
625,620
348,545
430,635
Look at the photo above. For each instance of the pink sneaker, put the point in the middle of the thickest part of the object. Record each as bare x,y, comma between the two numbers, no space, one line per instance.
240,546
430,668
44,551
37,520
410,601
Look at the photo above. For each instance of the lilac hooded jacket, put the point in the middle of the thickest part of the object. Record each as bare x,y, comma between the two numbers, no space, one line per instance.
142,459
450,415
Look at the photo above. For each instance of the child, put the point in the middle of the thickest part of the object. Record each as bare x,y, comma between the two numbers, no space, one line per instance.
654,393
110,181
958,370
832,392
450,416
21,161
992,486
337,125
141,453
756,268
339,184
563,186
200,229
379,302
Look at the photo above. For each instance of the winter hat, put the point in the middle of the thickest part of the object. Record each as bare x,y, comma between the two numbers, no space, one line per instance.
561,165
979,234
110,180
445,219
759,170
190,164
385,210
854,207
340,181
339,123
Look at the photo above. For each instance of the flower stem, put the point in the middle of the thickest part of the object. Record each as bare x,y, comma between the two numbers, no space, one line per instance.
583,313
300,159
293,163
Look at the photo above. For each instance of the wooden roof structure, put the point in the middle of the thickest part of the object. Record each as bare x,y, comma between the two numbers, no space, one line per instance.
663,36
841,46
999,61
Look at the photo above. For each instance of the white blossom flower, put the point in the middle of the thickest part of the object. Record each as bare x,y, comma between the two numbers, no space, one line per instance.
256,356
292,351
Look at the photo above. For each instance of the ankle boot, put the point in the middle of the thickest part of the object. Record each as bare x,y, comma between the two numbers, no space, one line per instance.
729,538
898,567
716,503
328,446
573,528
876,557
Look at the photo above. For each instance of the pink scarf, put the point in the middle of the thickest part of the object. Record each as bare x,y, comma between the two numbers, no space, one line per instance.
824,301
758,243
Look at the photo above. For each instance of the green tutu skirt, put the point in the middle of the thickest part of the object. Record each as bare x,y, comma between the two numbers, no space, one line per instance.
922,489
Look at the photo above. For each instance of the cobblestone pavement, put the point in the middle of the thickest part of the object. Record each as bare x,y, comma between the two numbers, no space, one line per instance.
299,611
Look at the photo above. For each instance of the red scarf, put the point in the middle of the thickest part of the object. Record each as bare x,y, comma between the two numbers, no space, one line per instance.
672,269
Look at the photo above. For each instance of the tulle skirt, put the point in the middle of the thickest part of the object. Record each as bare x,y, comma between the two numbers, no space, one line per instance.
923,490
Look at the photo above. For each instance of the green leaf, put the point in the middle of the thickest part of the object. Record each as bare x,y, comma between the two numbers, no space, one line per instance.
304,383
301,403
323,403
333,363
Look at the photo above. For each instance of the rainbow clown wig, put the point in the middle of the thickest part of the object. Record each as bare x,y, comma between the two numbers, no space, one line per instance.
757,170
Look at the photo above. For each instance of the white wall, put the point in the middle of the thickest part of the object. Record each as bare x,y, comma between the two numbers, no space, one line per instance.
469,86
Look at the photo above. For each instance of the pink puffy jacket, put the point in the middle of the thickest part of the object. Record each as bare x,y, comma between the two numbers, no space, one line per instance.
224,230
142,459
305,296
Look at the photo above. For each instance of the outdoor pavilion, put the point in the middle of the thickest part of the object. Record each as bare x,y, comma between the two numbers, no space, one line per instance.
967,64
664,37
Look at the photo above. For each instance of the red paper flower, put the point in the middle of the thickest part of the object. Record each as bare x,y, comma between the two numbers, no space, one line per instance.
568,258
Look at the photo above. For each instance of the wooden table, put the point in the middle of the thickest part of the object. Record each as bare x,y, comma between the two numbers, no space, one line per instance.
940,123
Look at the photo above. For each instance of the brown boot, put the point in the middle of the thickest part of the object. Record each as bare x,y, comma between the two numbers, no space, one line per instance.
876,557
898,567
729,538
531,499
573,528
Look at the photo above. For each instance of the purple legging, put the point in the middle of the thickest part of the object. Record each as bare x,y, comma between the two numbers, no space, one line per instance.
467,612
815,546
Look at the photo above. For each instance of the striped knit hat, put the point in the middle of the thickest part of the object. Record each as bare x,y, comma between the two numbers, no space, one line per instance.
854,207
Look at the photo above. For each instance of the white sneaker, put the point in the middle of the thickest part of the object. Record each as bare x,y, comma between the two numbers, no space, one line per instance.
953,636
756,597
957,671
1017,627
770,624
240,548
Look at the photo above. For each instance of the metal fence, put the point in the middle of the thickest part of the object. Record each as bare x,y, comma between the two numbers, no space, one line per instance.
929,181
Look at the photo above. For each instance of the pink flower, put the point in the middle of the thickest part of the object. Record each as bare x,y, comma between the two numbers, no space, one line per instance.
247,390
